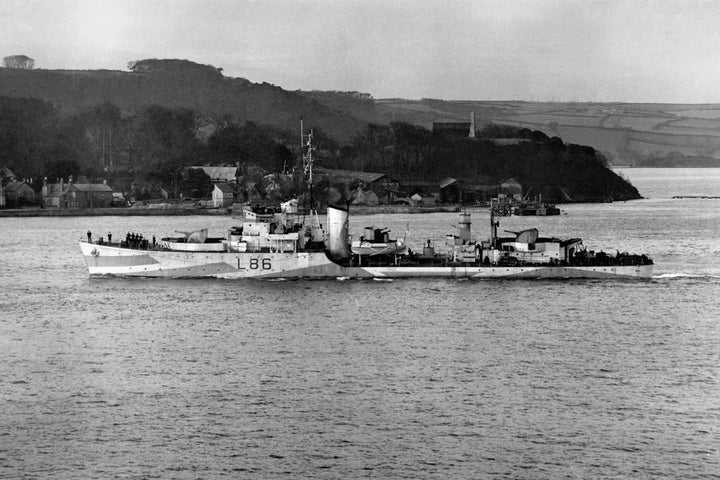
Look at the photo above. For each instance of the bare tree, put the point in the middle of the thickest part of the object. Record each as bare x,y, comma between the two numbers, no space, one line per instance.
19,61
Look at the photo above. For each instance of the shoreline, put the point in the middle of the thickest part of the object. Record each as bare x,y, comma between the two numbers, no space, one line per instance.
119,212
144,212
230,211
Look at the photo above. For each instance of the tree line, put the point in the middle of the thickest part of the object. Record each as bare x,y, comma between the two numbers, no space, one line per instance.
18,61
549,167
155,145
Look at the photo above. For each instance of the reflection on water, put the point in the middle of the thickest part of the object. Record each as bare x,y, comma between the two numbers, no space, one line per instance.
407,379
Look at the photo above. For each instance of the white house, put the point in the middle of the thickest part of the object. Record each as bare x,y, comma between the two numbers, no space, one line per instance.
222,195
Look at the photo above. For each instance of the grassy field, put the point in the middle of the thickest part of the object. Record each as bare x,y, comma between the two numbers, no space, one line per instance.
623,132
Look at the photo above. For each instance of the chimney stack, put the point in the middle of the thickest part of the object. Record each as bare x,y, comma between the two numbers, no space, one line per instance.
472,125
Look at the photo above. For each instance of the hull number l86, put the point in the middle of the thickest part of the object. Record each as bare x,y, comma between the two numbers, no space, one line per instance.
264,264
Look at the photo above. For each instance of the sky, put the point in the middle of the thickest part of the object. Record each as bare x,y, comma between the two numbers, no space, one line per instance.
664,51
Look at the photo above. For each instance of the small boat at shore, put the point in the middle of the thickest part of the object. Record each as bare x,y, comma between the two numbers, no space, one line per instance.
535,208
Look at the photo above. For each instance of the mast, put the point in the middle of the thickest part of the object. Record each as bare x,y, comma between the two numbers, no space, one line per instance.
307,149
493,225
316,232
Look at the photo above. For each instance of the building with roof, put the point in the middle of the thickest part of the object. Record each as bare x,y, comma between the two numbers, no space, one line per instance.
72,195
417,200
223,195
424,188
382,186
512,187
17,193
453,190
350,175
219,174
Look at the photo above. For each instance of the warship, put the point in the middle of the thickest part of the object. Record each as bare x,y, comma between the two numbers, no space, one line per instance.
281,242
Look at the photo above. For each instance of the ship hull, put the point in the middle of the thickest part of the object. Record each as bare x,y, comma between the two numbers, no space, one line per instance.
109,260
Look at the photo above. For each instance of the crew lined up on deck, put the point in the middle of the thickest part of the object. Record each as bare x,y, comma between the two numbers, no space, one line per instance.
135,240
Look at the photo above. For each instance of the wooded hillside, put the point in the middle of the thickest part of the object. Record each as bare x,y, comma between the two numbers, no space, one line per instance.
635,134
176,84
155,145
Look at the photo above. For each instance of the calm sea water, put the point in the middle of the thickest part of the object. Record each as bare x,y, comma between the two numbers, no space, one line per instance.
117,378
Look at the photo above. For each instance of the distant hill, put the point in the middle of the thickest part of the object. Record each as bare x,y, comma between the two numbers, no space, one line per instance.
177,83
149,123
627,134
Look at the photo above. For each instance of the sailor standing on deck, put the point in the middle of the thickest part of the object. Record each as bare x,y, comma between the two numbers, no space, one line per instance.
89,235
